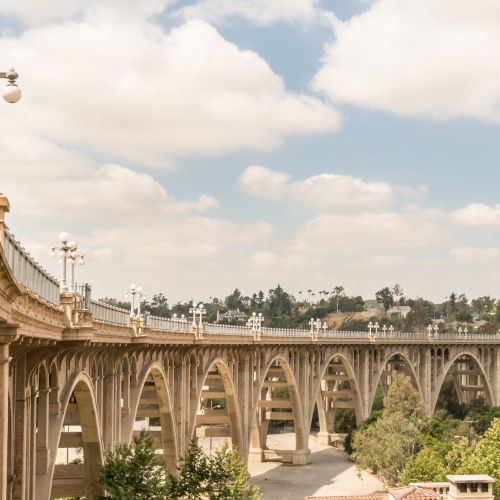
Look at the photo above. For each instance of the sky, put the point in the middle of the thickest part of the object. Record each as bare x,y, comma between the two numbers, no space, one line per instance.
193,147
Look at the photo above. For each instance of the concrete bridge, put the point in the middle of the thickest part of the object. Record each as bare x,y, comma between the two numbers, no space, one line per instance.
78,374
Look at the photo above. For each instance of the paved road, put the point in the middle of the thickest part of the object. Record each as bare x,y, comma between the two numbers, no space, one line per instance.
330,473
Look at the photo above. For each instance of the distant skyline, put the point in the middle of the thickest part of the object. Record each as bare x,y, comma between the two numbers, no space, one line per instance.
194,147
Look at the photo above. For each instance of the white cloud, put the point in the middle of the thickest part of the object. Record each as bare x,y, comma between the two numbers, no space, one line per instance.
477,214
33,13
428,58
368,233
263,182
262,12
76,189
476,255
322,193
131,92
342,193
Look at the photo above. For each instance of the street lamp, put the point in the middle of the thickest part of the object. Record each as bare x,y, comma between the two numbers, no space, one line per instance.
65,252
12,92
197,310
74,259
255,322
136,295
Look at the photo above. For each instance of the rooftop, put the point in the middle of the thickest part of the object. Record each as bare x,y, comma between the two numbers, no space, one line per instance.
470,478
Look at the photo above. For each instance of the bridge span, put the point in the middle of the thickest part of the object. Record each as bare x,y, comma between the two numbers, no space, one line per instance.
77,374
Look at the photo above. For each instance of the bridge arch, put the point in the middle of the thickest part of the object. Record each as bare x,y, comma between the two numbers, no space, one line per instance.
150,399
395,361
224,418
79,411
274,404
336,389
469,377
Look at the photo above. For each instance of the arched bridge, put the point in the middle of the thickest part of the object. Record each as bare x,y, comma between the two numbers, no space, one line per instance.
81,375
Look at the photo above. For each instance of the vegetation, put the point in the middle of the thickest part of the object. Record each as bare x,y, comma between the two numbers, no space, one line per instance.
282,309
386,445
135,473
222,476
403,446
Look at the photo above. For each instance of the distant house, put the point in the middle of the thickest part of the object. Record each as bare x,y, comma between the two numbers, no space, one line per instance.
373,306
399,311
458,487
232,315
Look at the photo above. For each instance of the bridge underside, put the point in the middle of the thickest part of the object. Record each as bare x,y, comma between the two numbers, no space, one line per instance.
69,402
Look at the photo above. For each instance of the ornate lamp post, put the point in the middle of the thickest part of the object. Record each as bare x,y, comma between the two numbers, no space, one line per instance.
255,322
74,259
315,325
67,251
197,311
136,296
11,93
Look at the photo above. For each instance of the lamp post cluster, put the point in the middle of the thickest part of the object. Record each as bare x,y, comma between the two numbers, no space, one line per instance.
373,329
136,296
68,256
316,328
197,311
11,93
255,323
430,329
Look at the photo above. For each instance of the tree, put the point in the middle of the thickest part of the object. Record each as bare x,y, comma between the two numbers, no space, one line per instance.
234,301
134,472
158,306
398,292
279,302
427,465
385,297
338,292
485,456
219,477
388,444
483,305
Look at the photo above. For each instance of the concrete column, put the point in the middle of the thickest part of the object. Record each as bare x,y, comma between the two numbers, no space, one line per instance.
21,434
108,412
496,380
4,416
4,208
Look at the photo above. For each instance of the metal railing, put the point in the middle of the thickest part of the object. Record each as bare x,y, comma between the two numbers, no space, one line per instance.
166,324
85,292
215,328
28,272
108,313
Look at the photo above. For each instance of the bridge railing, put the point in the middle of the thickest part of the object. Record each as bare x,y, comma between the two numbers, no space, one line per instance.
167,324
108,313
28,272
284,332
214,328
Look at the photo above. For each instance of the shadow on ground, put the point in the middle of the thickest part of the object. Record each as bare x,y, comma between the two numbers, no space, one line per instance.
331,472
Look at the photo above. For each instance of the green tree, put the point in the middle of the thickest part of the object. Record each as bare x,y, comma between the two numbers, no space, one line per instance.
385,297
234,300
219,477
338,293
279,302
158,306
483,305
388,444
485,456
134,472
427,465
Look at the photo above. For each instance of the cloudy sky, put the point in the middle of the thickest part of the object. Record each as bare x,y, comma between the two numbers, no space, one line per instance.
198,146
